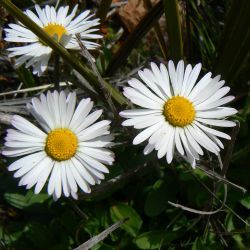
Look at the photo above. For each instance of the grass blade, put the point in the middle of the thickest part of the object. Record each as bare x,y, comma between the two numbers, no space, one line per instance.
234,47
135,37
60,50
173,29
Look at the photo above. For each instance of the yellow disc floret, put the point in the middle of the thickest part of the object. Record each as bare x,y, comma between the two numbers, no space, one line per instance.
179,111
61,144
57,30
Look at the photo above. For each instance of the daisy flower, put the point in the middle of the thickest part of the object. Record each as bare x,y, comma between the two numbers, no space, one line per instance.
177,111
68,148
56,23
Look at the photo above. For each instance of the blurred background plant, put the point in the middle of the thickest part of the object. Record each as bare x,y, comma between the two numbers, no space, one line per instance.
214,32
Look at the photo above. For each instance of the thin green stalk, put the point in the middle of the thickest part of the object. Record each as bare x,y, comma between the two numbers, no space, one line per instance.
60,50
173,29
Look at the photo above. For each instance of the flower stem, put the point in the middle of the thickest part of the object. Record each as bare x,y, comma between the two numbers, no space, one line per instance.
60,50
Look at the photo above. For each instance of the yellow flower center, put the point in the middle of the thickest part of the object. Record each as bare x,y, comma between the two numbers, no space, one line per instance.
53,29
179,111
61,144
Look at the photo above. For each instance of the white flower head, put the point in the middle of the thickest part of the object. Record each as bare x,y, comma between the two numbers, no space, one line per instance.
69,150
177,111
57,24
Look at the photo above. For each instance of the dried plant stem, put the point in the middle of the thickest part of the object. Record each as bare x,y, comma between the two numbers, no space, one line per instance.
26,90
219,200
103,88
78,210
192,210
218,177
5,118
158,32
60,50
96,239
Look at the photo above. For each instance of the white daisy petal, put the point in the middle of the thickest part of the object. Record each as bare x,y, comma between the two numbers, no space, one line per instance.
219,94
149,79
213,131
192,78
138,112
201,85
146,133
178,141
53,179
84,172
187,73
57,24
70,153
178,110
71,180
148,149
80,181
218,123
90,119
173,77
166,87
136,84
25,126
193,142
44,176
221,112
203,139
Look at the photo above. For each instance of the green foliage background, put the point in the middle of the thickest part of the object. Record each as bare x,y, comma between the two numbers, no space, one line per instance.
138,188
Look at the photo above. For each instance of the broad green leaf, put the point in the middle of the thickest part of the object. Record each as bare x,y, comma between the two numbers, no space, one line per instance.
157,200
154,239
198,245
150,240
230,227
123,211
39,235
22,201
103,246
246,202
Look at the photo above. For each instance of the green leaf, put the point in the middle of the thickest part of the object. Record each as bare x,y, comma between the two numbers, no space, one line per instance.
22,201
198,244
173,29
102,246
26,77
123,211
246,202
157,200
150,240
39,235
154,239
